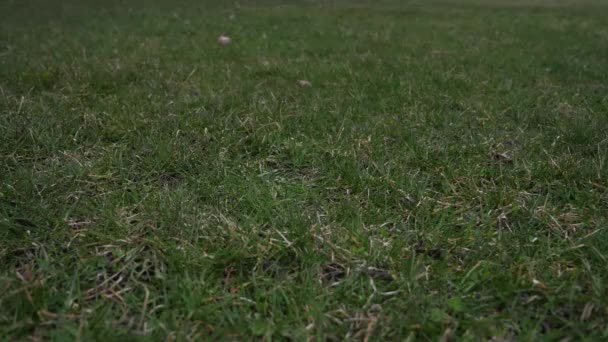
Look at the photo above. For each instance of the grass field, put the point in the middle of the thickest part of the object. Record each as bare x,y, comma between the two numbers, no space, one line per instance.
445,176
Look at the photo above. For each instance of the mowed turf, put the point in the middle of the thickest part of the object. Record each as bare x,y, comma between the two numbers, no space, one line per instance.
444,176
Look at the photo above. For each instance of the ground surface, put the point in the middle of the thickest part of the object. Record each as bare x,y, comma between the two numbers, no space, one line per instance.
445,175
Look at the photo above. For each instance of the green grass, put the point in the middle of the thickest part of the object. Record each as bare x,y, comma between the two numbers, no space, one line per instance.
445,176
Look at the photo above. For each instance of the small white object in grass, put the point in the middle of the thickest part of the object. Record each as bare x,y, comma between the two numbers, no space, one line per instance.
224,40
304,83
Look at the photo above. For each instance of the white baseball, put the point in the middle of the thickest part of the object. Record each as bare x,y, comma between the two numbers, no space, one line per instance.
304,83
224,40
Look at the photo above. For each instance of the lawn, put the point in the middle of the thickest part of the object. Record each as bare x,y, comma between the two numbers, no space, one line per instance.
443,176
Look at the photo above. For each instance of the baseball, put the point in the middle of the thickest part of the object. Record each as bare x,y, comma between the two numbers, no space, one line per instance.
224,40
